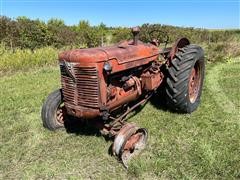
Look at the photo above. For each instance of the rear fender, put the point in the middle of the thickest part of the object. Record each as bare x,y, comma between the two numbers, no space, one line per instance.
180,43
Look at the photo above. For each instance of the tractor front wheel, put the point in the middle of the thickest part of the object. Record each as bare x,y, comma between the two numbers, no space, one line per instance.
185,79
53,111
129,142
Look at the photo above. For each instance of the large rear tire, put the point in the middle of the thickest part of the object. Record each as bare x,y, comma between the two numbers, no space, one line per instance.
53,111
185,79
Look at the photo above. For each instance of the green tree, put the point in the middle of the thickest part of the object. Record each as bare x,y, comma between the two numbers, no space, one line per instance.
9,32
32,33
120,34
59,34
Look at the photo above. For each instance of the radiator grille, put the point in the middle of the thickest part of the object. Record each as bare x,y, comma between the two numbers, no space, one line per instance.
84,91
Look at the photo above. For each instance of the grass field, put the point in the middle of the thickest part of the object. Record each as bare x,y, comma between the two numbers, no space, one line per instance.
204,144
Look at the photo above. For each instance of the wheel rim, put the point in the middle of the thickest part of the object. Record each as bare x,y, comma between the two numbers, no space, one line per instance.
194,82
60,114
133,146
129,142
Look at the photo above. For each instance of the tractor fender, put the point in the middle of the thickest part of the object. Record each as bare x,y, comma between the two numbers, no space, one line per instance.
180,43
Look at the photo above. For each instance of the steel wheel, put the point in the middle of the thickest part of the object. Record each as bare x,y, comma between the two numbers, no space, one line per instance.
129,142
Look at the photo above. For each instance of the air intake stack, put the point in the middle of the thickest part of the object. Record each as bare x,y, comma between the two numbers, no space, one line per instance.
135,32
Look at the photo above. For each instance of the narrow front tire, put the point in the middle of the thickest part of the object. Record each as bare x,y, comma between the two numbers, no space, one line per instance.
53,111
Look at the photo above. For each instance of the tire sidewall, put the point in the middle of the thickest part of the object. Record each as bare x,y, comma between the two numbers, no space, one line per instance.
49,110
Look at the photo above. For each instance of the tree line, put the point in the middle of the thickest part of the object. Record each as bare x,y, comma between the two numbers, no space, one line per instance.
23,32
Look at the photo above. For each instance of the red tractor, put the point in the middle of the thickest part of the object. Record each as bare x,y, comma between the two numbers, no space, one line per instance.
102,85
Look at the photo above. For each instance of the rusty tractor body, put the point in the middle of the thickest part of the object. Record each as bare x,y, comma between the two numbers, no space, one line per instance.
106,83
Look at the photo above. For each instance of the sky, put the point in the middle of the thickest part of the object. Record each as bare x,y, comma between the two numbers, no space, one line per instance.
211,14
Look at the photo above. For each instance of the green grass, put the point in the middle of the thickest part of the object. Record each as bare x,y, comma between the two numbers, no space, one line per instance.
201,145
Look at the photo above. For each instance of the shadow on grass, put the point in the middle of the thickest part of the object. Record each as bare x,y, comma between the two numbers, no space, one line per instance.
158,100
79,127
86,128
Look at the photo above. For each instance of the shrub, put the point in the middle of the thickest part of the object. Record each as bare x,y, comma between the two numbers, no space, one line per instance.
21,59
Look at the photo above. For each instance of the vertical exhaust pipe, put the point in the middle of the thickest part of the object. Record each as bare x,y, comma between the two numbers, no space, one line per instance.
135,32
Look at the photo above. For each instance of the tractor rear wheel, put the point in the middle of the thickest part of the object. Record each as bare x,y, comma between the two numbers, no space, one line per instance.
53,111
185,79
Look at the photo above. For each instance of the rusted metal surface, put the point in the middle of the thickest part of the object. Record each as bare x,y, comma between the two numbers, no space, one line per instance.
85,88
82,91
91,78
116,124
61,114
194,83
121,57
82,112
120,139
151,81
86,92
129,142
99,81
180,43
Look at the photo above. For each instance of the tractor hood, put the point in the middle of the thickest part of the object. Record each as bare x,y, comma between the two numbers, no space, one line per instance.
123,52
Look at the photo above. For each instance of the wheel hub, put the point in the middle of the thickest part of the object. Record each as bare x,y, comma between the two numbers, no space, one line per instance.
194,83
